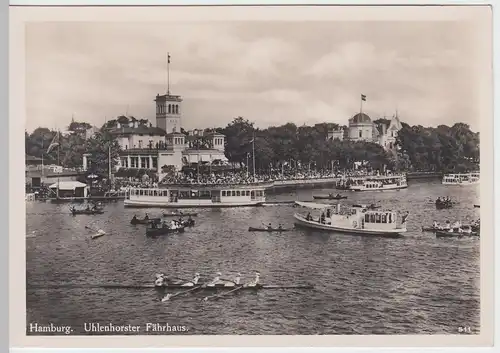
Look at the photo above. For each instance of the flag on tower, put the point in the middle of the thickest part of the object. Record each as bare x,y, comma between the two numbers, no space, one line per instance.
168,58
363,97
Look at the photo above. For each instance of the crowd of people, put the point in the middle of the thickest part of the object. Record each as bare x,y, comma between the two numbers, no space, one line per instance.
243,177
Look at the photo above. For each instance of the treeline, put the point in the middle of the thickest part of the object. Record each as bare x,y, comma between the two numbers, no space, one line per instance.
72,147
441,149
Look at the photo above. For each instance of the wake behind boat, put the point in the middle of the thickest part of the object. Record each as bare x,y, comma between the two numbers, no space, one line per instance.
352,220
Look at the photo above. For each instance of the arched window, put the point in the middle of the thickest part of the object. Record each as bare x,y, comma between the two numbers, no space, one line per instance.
169,108
176,109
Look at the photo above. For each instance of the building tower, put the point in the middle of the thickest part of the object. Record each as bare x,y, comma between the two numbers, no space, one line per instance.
169,112
169,108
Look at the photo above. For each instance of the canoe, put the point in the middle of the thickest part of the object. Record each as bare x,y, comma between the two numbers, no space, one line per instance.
446,234
252,229
180,214
329,197
476,206
99,234
162,231
87,212
144,220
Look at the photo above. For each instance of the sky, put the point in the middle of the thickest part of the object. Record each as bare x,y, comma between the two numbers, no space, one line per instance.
268,72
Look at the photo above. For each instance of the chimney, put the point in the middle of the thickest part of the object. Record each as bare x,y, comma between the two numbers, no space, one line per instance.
384,127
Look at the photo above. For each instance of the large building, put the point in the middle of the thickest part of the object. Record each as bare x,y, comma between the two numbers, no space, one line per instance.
156,149
362,128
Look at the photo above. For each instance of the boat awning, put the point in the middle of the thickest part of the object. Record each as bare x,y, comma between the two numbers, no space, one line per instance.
68,185
314,205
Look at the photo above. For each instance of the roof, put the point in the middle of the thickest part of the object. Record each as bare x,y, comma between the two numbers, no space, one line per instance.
168,98
360,118
140,130
68,185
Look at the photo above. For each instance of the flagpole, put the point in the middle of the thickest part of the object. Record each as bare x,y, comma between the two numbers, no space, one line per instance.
253,153
168,73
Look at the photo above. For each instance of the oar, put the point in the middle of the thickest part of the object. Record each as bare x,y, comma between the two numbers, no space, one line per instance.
87,227
215,296
168,296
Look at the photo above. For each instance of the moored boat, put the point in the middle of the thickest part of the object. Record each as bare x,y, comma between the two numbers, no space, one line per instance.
253,229
352,220
461,179
199,196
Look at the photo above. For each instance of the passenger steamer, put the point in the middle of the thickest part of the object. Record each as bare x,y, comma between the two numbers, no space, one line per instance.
198,195
379,183
356,219
461,179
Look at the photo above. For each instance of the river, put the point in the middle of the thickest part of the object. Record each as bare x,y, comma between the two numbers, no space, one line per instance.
417,284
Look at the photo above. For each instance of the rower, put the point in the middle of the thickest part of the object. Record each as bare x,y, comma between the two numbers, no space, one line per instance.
269,226
447,225
280,227
255,282
237,279
215,281
193,282
435,224
160,280
308,218
146,217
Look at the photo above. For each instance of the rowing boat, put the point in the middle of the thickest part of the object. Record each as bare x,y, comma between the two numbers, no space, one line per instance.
447,234
135,220
180,214
329,197
75,212
151,232
476,206
252,229
226,287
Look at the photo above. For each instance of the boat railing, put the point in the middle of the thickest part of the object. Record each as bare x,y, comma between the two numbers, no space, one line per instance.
217,185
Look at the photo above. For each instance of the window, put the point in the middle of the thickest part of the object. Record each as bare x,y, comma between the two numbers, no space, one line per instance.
367,218
134,162
372,218
238,193
384,218
378,218
360,133
155,162
248,192
223,192
233,193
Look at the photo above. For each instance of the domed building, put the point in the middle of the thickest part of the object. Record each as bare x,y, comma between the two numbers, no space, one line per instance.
361,128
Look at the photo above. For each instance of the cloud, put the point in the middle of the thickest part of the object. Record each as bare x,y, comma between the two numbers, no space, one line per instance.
271,73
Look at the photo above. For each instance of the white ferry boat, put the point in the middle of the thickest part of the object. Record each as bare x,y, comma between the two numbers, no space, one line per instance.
379,183
198,195
356,219
461,179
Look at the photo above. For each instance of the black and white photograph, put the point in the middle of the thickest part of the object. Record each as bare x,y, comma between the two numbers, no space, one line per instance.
272,176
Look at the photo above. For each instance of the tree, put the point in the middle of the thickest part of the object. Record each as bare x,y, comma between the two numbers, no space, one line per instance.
98,148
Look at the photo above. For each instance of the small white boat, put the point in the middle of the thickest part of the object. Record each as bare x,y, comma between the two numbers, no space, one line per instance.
99,233
353,220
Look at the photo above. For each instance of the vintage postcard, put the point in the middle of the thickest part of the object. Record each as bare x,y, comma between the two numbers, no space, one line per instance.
251,176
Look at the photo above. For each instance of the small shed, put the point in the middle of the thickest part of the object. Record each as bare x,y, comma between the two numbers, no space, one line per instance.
70,188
